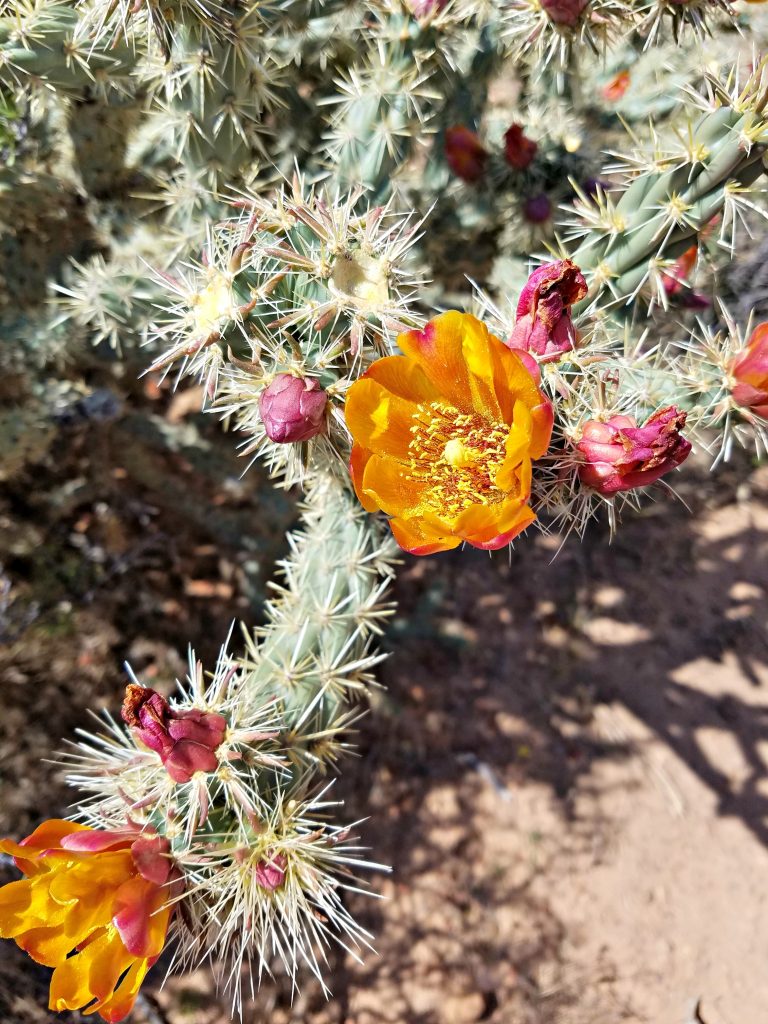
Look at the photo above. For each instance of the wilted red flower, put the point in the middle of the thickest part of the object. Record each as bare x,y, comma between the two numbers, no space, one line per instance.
544,326
465,153
95,906
564,12
749,371
519,150
537,209
619,456
618,85
292,409
185,740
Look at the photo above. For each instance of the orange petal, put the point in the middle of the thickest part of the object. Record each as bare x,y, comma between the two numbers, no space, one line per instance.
27,904
543,417
439,351
418,537
493,526
513,381
46,837
385,482
514,525
379,420
119,1005
357,463
403,378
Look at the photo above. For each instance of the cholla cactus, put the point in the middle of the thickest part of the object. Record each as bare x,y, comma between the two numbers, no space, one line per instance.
226,775
300,284
259,192
712,170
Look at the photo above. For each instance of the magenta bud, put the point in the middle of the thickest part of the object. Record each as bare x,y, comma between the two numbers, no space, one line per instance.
537,209
749,373
425,8
185,740
564,12
292,409
544,326
617,455
270,872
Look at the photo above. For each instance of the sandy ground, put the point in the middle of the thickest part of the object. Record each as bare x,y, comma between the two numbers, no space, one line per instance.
566,770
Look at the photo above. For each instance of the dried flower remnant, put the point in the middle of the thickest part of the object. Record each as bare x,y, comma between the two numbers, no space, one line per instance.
94,906
445,435
618,455
519,150
544,326
185,740
465,153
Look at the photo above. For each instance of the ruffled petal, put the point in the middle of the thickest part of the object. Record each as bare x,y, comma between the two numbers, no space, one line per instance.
439,351
134,904
514,518
357,463
379,420
386,483
119,1005
403,378
27,904
418,537
90,974
47,837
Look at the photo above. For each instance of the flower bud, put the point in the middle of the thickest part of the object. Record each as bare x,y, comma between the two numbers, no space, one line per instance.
619,456
537,209
185,740
425,8
465,153
749,373
519,150
270,872
543,324
564,12
292,408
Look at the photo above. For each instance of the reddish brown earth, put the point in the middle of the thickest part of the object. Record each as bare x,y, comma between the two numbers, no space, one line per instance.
566,770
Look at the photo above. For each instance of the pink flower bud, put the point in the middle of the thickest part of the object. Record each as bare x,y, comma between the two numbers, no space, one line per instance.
544,326
185,740
270,872
564,12
465,153
424,8
519,150
292,409
749,371
619,456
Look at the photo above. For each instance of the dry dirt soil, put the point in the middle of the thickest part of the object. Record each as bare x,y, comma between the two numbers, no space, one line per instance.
566,769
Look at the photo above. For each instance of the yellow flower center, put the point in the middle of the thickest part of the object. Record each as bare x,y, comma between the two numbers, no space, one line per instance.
458,455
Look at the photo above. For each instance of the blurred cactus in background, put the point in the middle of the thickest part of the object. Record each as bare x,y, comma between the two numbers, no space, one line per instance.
261,197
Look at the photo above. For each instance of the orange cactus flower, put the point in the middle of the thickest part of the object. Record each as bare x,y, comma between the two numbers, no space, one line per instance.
444,437
94,906
618,85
